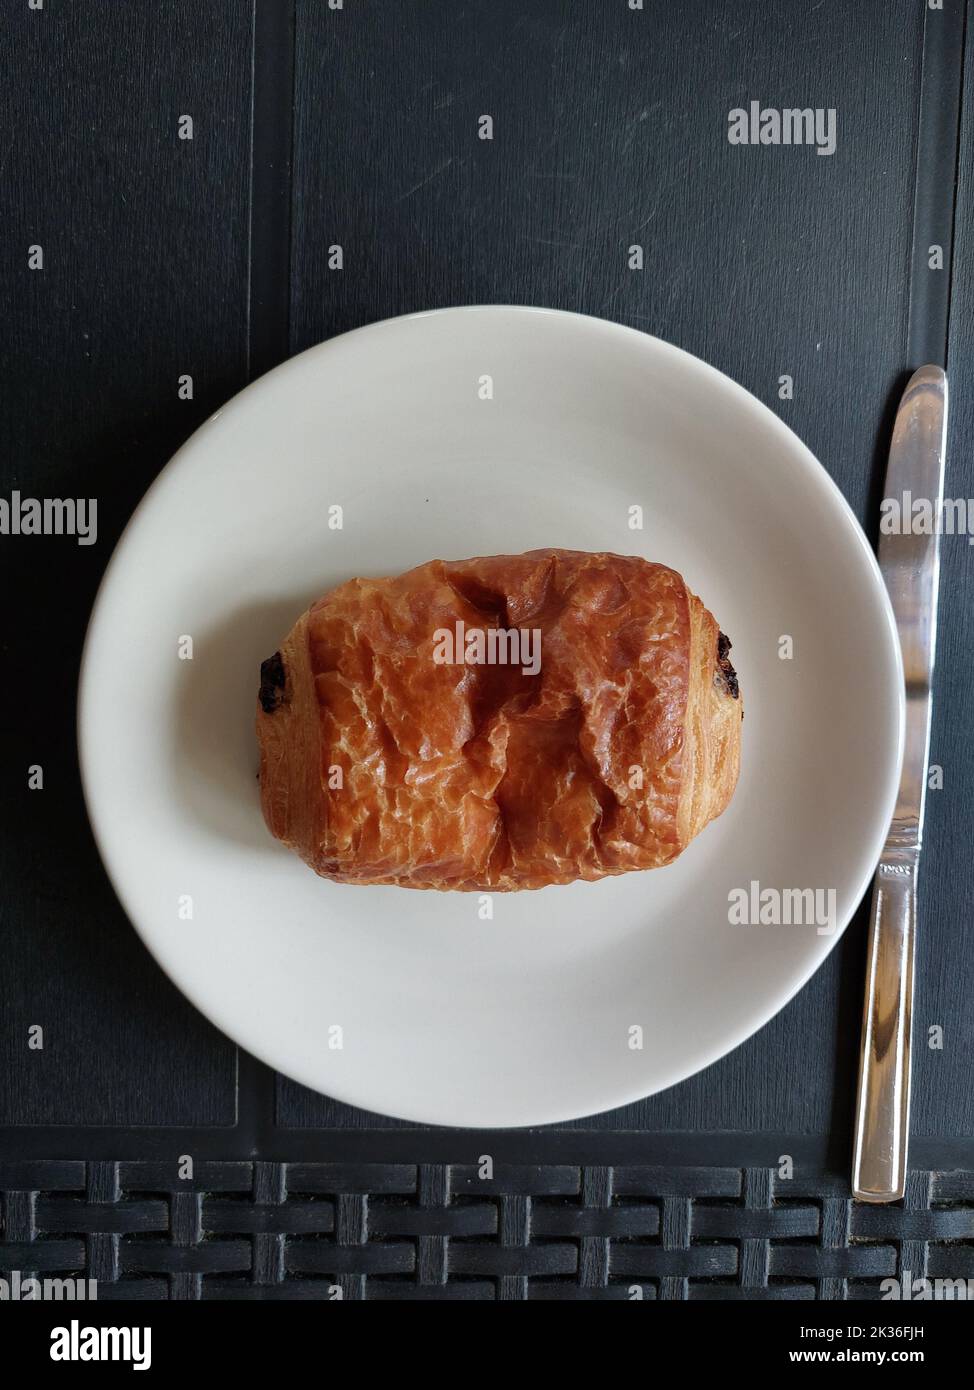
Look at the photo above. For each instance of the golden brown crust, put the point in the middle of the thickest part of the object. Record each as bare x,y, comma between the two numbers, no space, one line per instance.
712,753
381,765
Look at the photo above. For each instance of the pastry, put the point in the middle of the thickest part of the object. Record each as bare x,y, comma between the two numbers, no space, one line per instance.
500,723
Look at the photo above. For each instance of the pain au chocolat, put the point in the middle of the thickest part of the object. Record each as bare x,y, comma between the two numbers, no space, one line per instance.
506,722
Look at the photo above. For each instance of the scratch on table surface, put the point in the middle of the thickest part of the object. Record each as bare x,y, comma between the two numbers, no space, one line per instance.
428,179
547,241
646,220
610,297
634,122
6,153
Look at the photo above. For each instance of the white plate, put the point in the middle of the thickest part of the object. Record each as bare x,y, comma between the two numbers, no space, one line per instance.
444,1017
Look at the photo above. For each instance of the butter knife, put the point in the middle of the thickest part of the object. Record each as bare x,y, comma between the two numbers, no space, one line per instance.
910,562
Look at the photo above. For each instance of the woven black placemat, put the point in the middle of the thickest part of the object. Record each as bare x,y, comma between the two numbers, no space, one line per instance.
240,1230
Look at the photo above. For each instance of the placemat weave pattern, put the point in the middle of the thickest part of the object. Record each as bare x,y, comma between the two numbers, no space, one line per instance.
386,1231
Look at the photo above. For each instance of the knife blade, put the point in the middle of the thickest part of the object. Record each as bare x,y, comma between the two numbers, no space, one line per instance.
909,558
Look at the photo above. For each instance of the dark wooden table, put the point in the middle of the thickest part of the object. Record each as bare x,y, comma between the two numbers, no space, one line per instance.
166,257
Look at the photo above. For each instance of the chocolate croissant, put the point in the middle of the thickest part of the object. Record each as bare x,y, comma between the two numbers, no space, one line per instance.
499,723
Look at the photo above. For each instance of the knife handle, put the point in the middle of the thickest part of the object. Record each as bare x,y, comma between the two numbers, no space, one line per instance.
883,1103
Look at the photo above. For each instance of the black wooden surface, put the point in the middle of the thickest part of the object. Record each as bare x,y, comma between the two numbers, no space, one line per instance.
145,279
315,126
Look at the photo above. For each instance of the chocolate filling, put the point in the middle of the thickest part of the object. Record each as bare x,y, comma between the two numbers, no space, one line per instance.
273,683
726,673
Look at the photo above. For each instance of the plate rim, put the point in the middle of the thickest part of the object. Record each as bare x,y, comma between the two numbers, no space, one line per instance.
812,467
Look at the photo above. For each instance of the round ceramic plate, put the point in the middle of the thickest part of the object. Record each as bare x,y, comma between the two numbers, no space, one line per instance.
474,432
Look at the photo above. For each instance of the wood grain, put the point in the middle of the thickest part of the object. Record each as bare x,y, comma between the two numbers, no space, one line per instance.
144,279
